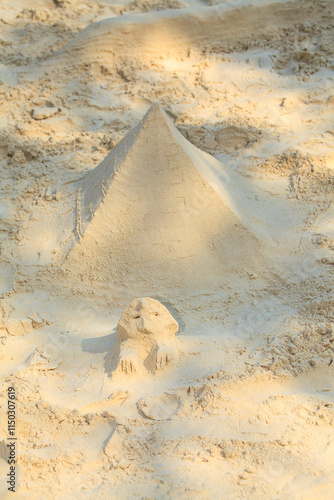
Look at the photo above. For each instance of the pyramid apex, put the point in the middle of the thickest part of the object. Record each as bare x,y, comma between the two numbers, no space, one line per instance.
155,111
155,105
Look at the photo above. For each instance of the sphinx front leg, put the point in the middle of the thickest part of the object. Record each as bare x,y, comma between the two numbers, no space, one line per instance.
129,360
165,355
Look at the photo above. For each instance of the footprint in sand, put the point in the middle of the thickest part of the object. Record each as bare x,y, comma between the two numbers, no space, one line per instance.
161,407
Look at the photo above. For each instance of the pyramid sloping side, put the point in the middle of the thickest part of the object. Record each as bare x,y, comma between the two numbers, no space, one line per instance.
97,182
159,217
87,194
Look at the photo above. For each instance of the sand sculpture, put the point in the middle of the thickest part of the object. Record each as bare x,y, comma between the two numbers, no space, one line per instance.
151,214
146,332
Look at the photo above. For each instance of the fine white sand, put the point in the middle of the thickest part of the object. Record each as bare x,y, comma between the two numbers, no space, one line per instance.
217,202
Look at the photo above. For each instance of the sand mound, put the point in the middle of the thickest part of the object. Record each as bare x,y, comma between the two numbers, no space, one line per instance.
220,28
178,31
147,213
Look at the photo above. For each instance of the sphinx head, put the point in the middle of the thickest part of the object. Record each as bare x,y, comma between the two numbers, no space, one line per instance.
146,317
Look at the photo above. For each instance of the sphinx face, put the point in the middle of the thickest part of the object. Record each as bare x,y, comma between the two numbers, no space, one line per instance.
146,317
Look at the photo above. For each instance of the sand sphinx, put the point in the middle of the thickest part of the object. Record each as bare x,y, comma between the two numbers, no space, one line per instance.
146,332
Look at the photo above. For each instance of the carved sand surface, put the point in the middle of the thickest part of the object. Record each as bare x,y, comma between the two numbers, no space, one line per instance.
166,249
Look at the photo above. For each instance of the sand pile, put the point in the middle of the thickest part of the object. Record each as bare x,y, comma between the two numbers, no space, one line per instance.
147,215
222,28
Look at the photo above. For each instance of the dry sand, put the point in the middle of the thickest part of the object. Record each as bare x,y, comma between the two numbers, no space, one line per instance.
218,203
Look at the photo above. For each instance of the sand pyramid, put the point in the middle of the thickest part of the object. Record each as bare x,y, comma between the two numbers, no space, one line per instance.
147,213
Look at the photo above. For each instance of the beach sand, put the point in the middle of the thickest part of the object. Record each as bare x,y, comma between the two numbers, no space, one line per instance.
180,150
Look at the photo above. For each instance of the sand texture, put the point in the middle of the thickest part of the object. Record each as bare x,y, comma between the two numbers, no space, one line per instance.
166,242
